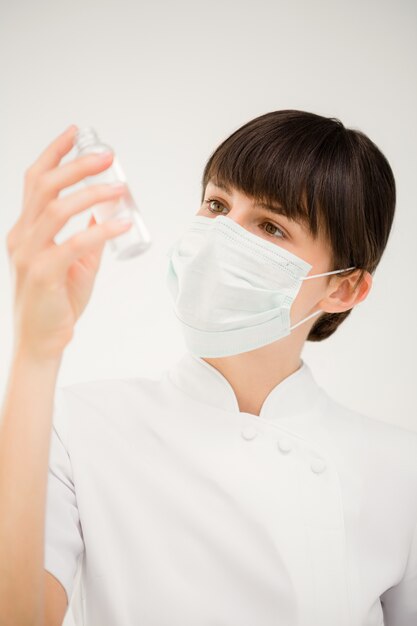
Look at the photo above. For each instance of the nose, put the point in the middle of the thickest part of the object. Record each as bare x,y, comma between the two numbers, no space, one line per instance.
239,217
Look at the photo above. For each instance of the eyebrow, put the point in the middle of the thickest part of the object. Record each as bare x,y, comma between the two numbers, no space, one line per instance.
276,210
264,205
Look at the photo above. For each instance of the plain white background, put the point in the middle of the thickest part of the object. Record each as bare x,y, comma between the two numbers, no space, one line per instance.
164,83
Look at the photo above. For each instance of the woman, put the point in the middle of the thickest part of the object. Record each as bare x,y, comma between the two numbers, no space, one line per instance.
233,490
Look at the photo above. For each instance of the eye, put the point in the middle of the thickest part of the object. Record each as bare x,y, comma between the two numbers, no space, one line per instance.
282,235
277,229
209,201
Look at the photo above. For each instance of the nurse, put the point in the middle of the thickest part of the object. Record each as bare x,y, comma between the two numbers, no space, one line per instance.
240,275
234,489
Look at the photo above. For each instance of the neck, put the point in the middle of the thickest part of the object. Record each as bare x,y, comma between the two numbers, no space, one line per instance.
254,374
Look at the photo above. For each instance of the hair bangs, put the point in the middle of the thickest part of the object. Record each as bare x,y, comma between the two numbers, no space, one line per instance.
282,168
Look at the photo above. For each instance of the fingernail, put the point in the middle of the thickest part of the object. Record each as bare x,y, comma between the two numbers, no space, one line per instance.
71,128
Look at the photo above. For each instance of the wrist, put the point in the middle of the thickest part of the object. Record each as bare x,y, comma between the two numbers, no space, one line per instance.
23,354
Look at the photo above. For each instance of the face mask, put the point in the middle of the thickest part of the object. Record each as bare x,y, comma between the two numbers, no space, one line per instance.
232,290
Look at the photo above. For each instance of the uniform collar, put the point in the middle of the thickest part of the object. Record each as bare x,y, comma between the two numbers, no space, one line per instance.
298,393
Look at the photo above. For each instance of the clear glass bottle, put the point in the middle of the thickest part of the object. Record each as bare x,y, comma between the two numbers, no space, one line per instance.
137,239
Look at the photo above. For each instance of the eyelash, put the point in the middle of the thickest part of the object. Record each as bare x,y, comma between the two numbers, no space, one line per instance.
284,236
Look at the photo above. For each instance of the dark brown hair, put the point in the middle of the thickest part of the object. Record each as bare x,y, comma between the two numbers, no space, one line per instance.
334,178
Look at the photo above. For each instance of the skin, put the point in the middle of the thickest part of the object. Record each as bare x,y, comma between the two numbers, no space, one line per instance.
52,284
254,374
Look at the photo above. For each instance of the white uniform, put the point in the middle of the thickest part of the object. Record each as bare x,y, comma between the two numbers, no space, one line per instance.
183,511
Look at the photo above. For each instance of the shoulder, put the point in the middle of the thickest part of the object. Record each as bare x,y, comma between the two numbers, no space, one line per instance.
382,443
107,390
103,401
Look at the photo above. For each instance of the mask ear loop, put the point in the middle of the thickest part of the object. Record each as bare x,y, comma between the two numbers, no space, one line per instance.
306,318
320,310
327,273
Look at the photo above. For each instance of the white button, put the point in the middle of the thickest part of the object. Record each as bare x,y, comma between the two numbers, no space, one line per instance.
249,432
284,444
318,466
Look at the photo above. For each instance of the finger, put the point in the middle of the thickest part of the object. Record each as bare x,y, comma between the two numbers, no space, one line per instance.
91,260
50,157
92,222
53,181
97,249
59,259
58,212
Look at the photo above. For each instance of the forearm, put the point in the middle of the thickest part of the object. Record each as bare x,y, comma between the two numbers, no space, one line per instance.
25,433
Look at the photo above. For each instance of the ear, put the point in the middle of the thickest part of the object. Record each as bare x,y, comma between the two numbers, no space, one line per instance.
341,292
